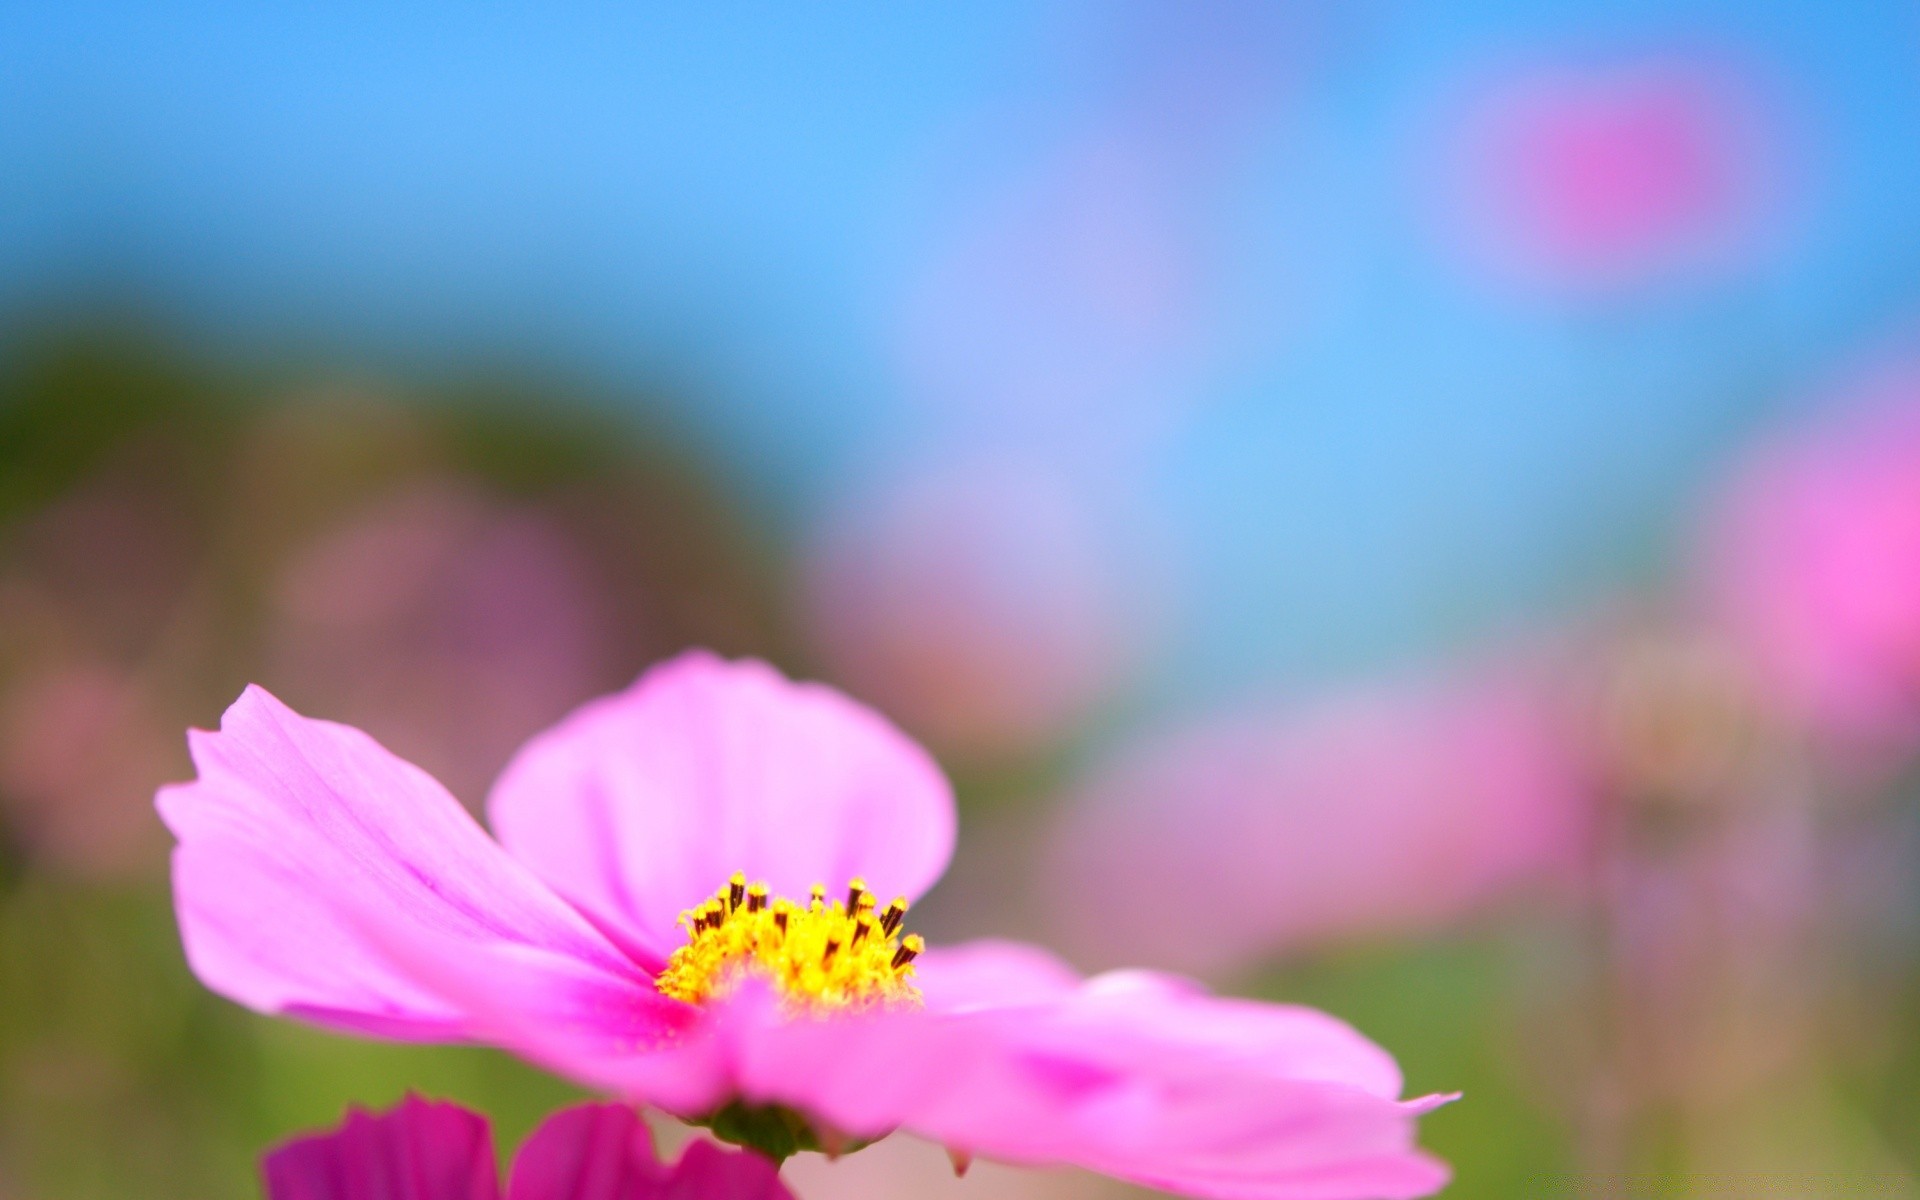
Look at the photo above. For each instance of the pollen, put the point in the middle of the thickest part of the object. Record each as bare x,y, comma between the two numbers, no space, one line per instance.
821,957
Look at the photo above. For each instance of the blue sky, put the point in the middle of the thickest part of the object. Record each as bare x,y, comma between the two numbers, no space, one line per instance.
1368,458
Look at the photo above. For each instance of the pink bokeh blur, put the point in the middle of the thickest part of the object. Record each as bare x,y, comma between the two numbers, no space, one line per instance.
95,609
983,603
1073,293
80,745
454,625
1390,810
1811,561
1588,178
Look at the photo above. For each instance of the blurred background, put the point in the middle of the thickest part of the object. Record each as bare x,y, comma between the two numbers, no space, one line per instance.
1412,509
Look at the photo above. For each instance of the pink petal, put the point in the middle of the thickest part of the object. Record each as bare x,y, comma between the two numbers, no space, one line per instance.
707,1172
310,858
603,1152
642,803
1138,1076
421,1150
592,1152
571,1019
990,973
1281,1039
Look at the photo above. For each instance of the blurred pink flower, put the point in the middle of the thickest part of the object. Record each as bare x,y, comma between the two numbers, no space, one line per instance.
81,749
1594,178
319,876
451,626
1384,812
421,1150
117,555
1812,562
98,606
979,603
1065,297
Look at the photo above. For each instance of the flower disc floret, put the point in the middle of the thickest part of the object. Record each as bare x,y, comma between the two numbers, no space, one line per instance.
821,957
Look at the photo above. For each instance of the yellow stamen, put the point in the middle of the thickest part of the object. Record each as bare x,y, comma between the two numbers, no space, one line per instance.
819,957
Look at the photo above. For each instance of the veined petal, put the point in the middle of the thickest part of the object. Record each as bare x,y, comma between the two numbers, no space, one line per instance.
1142,1077
603,1152
307,853
420,1150
572,1019
640,804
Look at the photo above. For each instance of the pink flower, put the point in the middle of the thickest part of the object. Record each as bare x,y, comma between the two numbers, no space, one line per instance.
1600,177
980,603
321,877
81,746
1388,810
453,625
422,1150
1812,562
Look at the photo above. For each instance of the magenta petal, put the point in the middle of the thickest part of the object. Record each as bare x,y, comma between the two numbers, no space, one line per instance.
603,1152
308,853
1139,1076
592,1152
708,1172
421,1150
640,804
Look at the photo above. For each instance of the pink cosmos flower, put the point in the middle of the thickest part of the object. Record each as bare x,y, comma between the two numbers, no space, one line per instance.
1387,810
1812,562
422,1150
1598,177
980,603
81,745
453,625
319,876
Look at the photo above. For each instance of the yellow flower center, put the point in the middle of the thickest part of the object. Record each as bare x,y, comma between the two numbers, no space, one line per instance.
821,957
